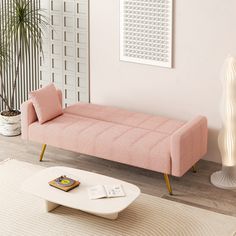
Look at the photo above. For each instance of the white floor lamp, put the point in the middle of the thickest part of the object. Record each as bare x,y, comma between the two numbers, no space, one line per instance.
226,178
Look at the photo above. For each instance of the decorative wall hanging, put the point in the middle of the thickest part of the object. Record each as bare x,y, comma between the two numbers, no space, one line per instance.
66,57
146,31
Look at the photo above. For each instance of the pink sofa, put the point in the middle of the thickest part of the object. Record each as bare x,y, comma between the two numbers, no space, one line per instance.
152,142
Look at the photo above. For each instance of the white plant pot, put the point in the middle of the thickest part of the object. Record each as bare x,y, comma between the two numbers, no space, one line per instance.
10,125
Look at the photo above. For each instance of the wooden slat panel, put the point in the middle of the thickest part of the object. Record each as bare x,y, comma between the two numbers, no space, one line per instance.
29,67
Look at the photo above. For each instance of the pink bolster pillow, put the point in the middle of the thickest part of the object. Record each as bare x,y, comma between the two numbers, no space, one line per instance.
46,103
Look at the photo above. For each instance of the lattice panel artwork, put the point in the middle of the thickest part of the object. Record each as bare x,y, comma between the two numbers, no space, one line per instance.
66,57
146,31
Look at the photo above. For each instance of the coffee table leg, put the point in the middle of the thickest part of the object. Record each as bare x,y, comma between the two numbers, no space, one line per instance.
49,206
108,216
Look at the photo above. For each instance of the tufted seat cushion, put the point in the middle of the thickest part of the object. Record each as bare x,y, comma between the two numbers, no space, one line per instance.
123,143
121,116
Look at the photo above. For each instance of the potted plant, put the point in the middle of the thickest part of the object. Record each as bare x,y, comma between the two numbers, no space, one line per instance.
22,27
10,118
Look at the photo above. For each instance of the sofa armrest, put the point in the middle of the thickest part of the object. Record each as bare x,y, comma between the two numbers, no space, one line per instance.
28,116
188,145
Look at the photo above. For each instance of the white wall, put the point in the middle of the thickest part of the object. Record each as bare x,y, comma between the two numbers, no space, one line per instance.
204,34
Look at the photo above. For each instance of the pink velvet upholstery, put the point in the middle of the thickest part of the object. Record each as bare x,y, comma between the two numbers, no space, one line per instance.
125,144
28,116
46,103
125,117
188,144
151,142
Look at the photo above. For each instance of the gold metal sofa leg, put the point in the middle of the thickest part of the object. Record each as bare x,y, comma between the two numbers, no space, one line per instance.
194,169
42,152
168,184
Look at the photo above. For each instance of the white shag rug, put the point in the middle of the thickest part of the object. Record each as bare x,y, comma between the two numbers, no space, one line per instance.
22,214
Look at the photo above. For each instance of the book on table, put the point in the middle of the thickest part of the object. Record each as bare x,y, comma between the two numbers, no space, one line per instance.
105,191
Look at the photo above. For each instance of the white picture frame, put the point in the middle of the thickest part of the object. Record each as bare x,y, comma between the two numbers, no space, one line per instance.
146,32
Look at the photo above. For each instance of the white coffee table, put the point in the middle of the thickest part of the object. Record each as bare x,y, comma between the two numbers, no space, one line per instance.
78,198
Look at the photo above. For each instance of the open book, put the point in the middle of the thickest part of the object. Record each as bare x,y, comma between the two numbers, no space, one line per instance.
105,191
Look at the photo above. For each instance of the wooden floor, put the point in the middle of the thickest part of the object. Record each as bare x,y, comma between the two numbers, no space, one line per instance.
192,189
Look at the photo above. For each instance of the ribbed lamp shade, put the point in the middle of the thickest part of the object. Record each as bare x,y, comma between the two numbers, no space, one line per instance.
226,178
